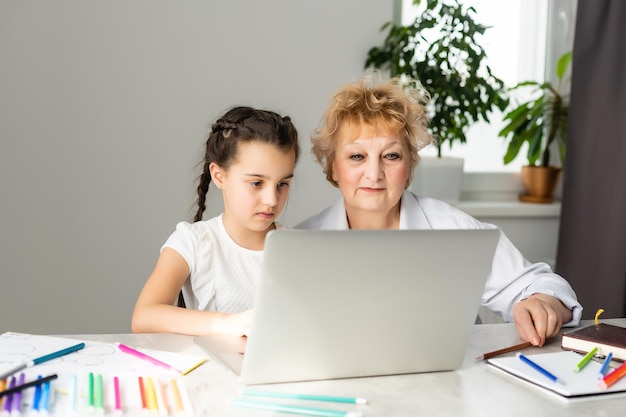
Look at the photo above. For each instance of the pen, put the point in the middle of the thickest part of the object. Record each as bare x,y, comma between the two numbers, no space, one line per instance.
540,369
613,377
585,360
41,359
154,361
16,388
504,350
273,394
605,365
295,409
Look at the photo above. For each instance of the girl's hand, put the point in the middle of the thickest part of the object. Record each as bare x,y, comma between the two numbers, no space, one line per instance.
237,324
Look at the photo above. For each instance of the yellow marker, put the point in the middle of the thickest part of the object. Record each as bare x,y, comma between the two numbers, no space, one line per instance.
151,394
600,311
176,395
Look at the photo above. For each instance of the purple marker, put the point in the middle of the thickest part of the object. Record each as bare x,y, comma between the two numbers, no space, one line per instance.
9,398
17,397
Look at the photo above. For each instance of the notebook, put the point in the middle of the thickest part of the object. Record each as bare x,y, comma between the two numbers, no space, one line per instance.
574,386
341,304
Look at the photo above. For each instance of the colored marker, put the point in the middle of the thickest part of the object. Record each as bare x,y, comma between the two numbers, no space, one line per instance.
15,388
116,390
295,409
6,409
37,396
41,359
176,394
142,392
145,357
45,397
613,377
585,360
72,403
274,394
540,369
151,395
3,384
92,395
605,365
98,394
17,397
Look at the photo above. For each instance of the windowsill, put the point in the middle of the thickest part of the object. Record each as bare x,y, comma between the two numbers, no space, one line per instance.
496,195
509,209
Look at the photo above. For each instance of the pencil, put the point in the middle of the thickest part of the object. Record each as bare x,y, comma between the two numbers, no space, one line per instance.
504,350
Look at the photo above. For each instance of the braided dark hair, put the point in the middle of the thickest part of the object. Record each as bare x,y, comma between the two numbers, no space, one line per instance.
237,125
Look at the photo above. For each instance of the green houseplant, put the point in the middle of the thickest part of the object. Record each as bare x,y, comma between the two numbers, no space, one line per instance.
541,123
440,50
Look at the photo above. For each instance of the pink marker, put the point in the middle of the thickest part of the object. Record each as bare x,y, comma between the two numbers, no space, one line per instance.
145,357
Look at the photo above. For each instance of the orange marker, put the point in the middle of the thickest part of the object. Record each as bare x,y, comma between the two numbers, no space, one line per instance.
142,391
613,377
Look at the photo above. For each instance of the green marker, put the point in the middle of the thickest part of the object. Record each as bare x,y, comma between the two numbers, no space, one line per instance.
585,360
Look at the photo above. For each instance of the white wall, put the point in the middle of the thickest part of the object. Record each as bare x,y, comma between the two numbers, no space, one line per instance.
104,107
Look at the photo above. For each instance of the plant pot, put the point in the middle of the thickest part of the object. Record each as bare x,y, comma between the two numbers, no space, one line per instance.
439,178
540,183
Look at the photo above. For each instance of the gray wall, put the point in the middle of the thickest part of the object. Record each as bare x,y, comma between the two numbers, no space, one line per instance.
104,107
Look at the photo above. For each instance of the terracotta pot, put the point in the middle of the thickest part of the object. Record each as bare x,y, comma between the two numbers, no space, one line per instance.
540,183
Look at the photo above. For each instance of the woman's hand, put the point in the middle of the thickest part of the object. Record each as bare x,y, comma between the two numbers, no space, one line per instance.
540,317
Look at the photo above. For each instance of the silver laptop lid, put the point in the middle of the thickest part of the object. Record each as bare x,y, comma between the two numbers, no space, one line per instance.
339,304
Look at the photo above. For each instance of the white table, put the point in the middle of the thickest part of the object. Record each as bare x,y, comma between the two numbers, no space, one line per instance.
472,390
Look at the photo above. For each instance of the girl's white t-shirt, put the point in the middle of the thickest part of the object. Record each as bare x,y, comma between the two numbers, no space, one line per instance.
223,276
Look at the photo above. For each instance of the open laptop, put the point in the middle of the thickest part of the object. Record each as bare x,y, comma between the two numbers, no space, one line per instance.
341,304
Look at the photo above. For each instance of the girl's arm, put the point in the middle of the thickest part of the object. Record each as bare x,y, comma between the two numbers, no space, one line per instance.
155,311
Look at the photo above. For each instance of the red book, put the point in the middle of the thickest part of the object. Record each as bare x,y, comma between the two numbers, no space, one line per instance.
606,337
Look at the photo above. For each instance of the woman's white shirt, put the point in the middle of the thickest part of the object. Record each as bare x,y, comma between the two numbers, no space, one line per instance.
513,278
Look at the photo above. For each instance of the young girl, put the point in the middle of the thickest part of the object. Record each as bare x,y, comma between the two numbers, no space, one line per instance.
250,156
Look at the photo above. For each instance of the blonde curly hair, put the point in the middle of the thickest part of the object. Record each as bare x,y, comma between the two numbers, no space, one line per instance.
396,106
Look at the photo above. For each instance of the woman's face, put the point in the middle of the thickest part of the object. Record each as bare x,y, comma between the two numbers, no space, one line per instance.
372,170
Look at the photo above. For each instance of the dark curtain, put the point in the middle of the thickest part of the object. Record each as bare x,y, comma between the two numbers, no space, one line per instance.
592,240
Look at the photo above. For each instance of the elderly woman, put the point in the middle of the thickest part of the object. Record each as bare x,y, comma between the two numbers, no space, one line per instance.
368,144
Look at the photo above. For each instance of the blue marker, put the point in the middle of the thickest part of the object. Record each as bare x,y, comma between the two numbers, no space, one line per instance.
605,365
540,369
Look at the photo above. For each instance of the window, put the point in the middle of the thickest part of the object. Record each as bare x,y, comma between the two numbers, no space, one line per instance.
520,37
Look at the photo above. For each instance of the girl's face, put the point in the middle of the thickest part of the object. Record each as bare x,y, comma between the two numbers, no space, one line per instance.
255,190
372,170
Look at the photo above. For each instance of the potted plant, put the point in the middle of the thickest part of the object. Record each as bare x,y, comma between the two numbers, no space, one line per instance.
542,124
440,50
